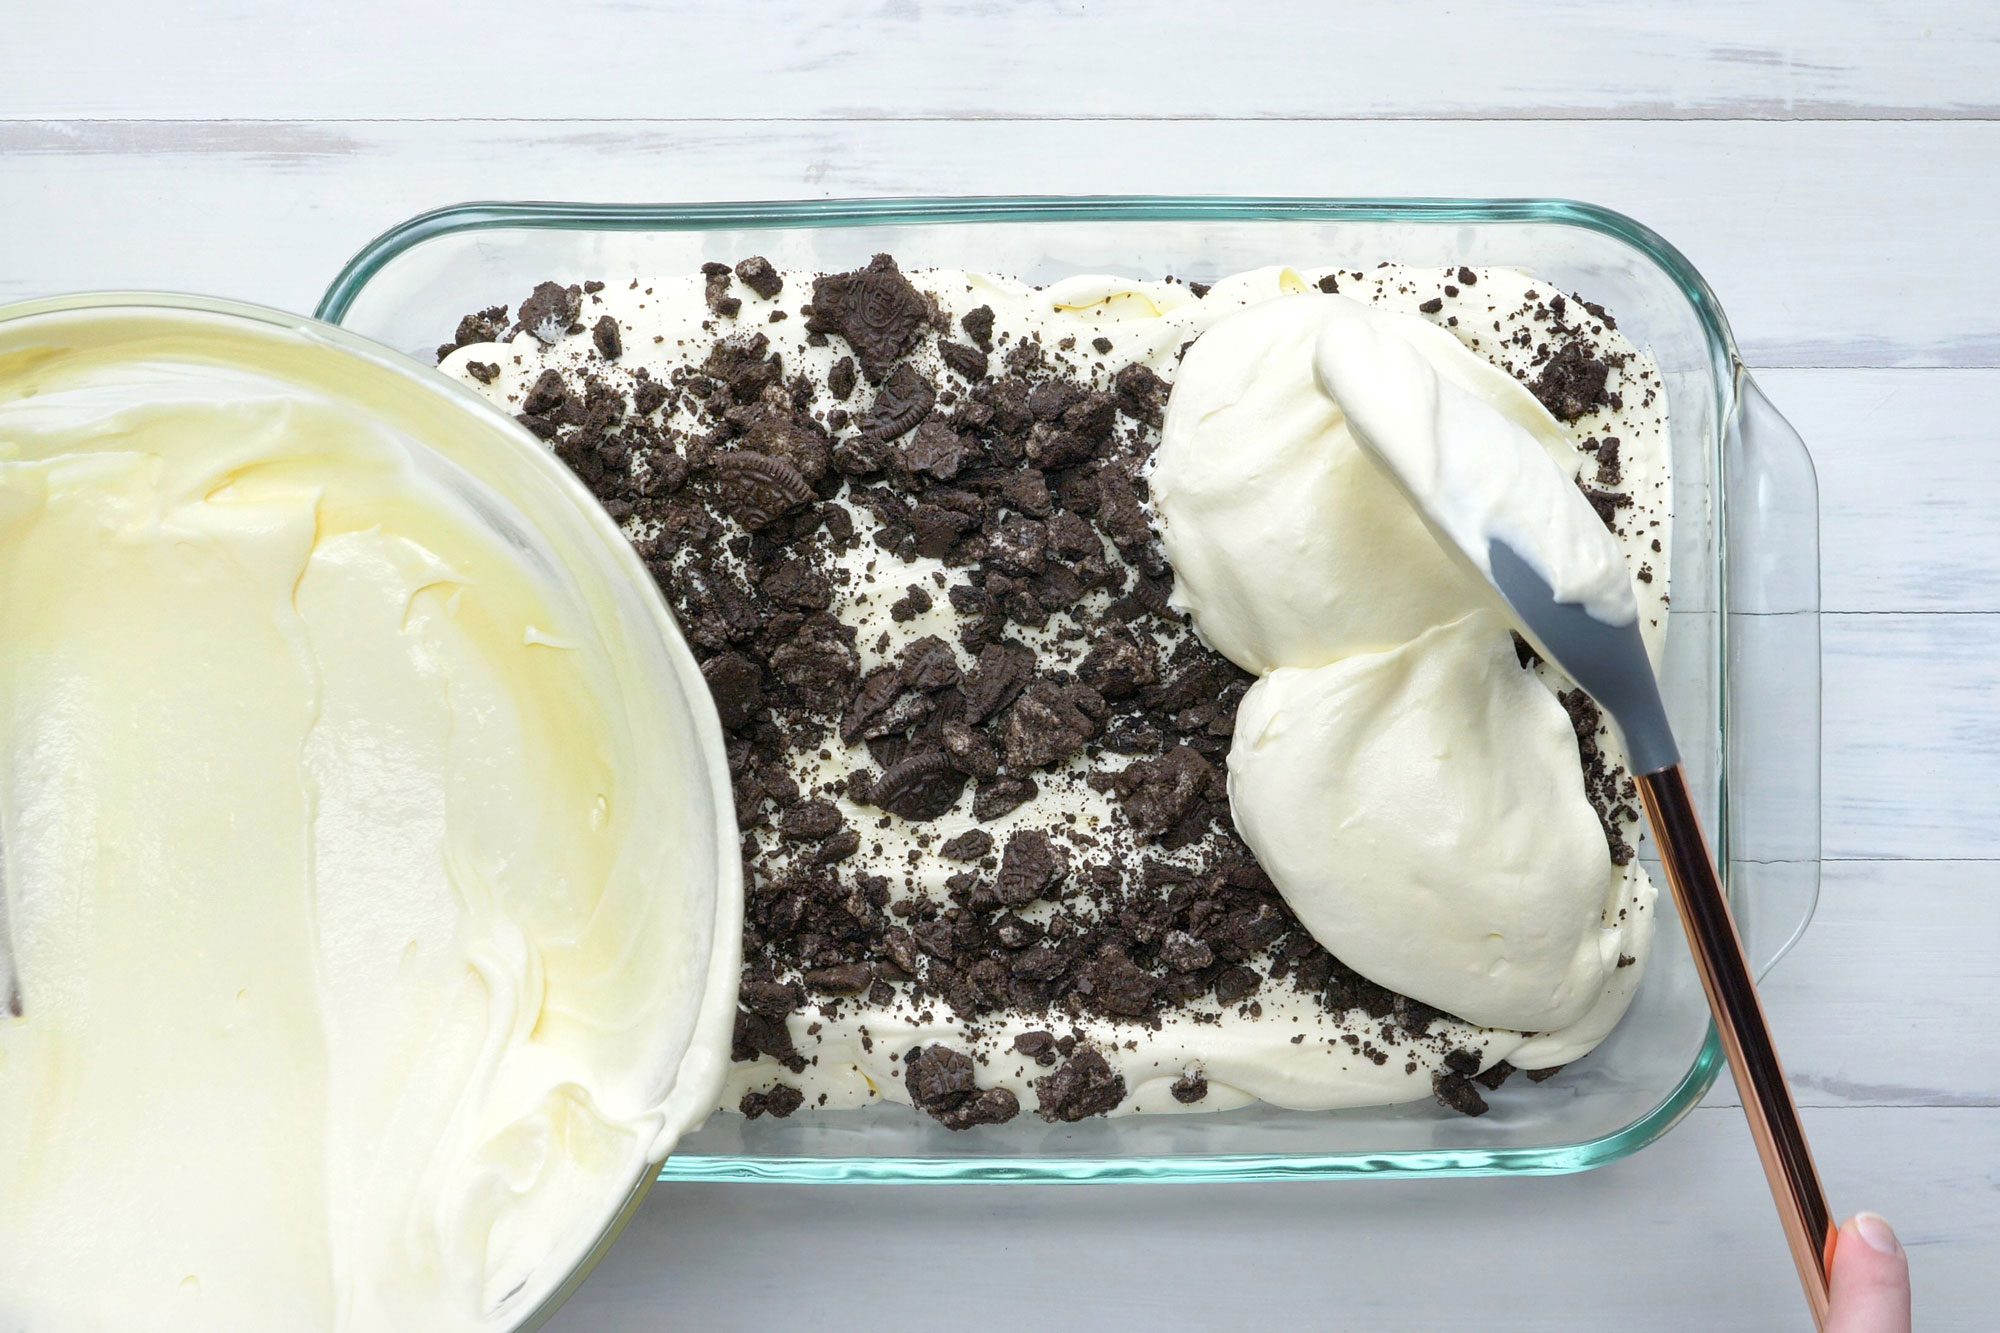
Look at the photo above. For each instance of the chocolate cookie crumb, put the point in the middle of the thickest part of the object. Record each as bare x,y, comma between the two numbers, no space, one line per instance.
967,846
1030,867
840,379
605,336
996,797
1233,985
1084,1085
1600,777
839,978
1573,382
875,309
978,326
900,404
757,274
942,1083
758,489
716,291
778,1101
1189,1088
736,684
1456,1092
486,326
545,395
913,603
1038,1046
919,787
1606,503
550,310
969,362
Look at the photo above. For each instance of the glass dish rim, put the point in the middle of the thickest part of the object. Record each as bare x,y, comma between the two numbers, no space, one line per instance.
554,215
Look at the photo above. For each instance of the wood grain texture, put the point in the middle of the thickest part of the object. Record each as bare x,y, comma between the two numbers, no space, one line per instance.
1855,1035
1829,166
1833,244
1908,471
1912,736
1678,1238
985,59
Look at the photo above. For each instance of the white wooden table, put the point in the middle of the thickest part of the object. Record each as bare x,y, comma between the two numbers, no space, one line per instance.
1832,166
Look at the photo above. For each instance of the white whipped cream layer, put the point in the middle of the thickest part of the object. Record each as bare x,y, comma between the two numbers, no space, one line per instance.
1291,1052
333,867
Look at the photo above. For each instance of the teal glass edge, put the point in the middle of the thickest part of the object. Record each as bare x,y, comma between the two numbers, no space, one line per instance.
974,210
560,216
1218,1168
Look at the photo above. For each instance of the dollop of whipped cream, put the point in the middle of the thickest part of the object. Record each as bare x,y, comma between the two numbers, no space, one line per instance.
1290,545
1477,465
1423,811
1413,790
353,991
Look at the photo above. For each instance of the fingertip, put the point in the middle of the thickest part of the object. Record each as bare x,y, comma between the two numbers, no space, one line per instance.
1871,1279
1876,1231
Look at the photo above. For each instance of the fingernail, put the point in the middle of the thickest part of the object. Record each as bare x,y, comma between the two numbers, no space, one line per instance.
1874,1230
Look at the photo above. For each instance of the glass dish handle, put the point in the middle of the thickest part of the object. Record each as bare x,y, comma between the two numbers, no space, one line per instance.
1771,638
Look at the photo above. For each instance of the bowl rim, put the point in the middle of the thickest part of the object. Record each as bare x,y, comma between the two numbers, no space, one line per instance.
687,1101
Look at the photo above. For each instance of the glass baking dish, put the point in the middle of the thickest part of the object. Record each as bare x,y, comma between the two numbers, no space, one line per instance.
1741,672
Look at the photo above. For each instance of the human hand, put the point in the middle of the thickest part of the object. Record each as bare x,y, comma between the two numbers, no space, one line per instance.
1871,1279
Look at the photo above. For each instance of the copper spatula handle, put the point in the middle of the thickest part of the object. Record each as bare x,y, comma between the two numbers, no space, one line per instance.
1746,1036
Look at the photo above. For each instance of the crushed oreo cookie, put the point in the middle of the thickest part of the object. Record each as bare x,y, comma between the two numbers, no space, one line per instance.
484,326
605,336
550,311
1613,795
716,291
1083,1085
1573,382
778,1101
1458,1092
759,276
943,1084
875,309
